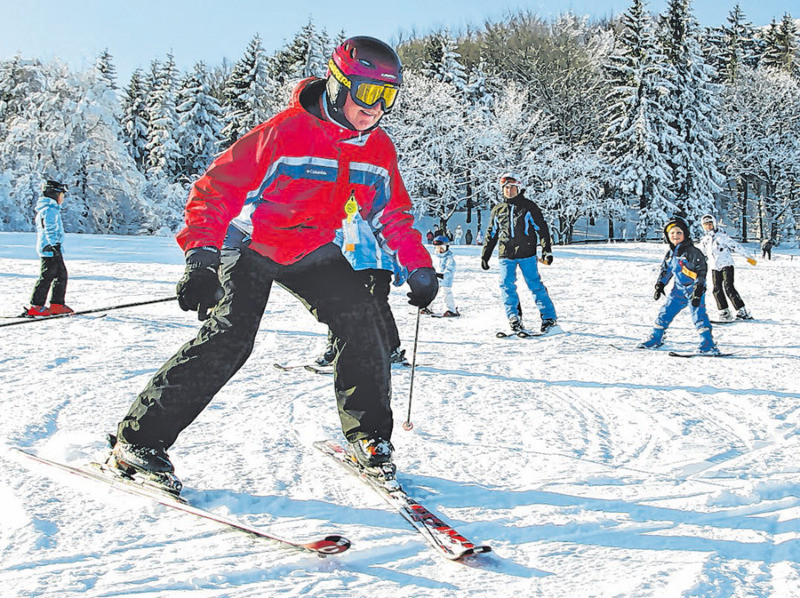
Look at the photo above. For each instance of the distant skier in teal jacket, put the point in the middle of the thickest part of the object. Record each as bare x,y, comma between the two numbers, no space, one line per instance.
49,243
686,265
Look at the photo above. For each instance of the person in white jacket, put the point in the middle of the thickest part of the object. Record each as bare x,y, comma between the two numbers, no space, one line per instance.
719,248
445,265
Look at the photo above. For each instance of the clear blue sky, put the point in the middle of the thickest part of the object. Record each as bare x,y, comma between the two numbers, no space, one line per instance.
136,32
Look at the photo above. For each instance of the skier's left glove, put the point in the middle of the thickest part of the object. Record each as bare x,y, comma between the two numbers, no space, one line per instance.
697,296
424,286
199,288
547,257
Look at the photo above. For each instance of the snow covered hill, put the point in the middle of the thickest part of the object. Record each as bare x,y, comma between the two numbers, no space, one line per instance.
591,470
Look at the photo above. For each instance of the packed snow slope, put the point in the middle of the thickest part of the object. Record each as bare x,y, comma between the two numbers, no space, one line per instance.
592,469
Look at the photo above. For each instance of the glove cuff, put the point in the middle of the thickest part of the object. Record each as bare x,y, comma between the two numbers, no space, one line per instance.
203,257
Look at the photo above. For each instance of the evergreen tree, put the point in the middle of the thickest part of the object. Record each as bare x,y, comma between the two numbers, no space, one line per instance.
444,63
782,46
134,120
636,138
740,47
163,155
478,90
106,70
246,92
305,56
199,123
691,105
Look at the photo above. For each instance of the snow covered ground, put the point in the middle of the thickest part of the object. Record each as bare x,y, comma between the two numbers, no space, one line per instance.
591,470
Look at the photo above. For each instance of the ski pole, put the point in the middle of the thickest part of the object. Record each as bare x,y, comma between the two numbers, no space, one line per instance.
87,311
407,425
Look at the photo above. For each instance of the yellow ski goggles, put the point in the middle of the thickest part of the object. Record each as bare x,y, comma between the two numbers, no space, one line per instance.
366,93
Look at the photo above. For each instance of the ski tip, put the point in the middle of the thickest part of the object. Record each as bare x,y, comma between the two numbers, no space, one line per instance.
475,550
329,545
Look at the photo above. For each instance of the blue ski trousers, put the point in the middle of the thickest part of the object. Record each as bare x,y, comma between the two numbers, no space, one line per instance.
530,273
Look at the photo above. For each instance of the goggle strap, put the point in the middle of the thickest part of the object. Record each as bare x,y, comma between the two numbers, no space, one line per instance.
338,75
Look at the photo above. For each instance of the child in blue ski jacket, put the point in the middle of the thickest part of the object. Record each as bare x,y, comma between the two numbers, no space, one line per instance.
49,242
686,266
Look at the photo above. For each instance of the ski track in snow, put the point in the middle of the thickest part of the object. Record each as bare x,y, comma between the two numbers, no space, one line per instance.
591,471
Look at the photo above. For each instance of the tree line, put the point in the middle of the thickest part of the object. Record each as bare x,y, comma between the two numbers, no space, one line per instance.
649,115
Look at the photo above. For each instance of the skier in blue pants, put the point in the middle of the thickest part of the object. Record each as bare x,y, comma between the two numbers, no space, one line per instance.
686,265
530,274
517,226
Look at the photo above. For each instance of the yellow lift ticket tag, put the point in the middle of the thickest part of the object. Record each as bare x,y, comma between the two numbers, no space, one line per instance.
350,226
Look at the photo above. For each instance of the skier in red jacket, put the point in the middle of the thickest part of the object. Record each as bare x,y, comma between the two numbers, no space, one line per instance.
269,210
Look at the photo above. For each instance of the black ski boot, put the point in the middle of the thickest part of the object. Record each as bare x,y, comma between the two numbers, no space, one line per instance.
398,356
547,324
516,324
149,465
375,456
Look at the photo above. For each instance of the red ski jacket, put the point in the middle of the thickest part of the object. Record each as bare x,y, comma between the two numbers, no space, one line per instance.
284,186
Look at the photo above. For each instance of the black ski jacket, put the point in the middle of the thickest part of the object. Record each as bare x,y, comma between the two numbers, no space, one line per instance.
516,225
687,265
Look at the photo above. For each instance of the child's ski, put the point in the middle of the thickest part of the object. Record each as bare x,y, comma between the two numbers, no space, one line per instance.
519,334
677,354
95,471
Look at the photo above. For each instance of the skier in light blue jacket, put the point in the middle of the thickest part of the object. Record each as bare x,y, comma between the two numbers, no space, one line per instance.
49,243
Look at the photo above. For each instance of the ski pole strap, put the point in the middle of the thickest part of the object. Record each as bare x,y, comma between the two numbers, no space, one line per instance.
88,311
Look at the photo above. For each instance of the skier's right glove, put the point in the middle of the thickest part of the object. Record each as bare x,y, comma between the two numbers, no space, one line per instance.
547,258
199,288
485,264
424,286
659,290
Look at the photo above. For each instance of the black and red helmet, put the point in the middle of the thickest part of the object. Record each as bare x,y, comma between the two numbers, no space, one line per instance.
369,69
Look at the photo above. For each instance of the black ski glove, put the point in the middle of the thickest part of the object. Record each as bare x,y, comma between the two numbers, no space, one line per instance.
439,276
697,296
54,249
424,286
659,290
547,257
199,288
485,264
